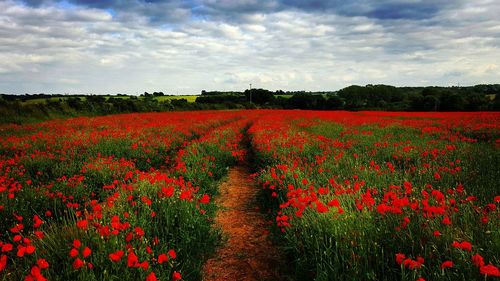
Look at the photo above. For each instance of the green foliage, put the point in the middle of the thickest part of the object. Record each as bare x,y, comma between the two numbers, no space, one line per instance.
360,244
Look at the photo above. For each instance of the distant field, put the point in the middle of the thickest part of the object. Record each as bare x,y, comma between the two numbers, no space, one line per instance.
189,98
283,96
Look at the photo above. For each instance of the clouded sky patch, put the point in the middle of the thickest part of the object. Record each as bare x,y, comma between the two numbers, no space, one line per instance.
175,46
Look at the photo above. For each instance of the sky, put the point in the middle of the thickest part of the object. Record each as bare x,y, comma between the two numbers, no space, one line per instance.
183,47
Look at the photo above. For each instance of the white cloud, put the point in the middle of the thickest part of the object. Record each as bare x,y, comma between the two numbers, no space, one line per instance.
56,49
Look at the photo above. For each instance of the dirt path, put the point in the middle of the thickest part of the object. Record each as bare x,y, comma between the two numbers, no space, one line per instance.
247,255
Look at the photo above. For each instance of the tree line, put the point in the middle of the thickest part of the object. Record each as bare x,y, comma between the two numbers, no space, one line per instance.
369,97
19,108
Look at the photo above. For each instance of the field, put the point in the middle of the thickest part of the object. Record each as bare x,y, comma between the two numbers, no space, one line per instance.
348,195
189,98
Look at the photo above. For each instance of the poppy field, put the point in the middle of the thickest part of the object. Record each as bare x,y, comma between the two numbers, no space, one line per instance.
349,195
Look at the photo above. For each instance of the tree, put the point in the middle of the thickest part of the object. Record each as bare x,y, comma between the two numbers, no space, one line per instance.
307,101
259,96
335,102
452,102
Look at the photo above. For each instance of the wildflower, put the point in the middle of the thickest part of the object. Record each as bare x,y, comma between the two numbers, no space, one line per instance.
42,263
477,260
172,254
6,248
78,263
446,264
321,208
20,251
400,258
132,260
3,262
176,276
144,265
35,274
413,264
139,231
462,245
334,203
484,220
86,252
205,199
116,256
37,222
162,258
17,228
30,249
490,270
151,277
77,244
73,252
82,224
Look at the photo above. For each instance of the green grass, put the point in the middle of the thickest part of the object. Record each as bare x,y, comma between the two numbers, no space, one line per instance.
374,162
189,98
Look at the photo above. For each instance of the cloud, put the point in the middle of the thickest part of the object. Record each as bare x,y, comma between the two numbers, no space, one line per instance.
186,46
178,10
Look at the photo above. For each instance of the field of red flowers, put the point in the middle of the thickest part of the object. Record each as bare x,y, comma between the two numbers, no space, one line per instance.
352,195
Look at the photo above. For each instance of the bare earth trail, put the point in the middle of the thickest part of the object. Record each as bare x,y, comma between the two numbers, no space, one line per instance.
247,255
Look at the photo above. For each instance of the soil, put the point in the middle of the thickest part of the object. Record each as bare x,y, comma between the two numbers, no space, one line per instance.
247,255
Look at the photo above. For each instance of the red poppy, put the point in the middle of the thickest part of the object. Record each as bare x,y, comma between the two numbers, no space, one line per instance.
21,250
334,203
30,249
464,245
176,276
78,263
86,252
139,231
172,254
37,222
42,263
162,258
151,277
490,270
400,258
132,260
446,264
36,274
321,208
116,256
77,244
446,221
82,224
6,247
73,252
17,228
477,260
3,262
205,199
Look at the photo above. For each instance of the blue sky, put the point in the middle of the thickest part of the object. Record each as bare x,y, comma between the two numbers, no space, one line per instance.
183,47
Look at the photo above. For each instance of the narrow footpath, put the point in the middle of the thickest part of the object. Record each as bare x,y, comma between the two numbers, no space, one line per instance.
247,255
